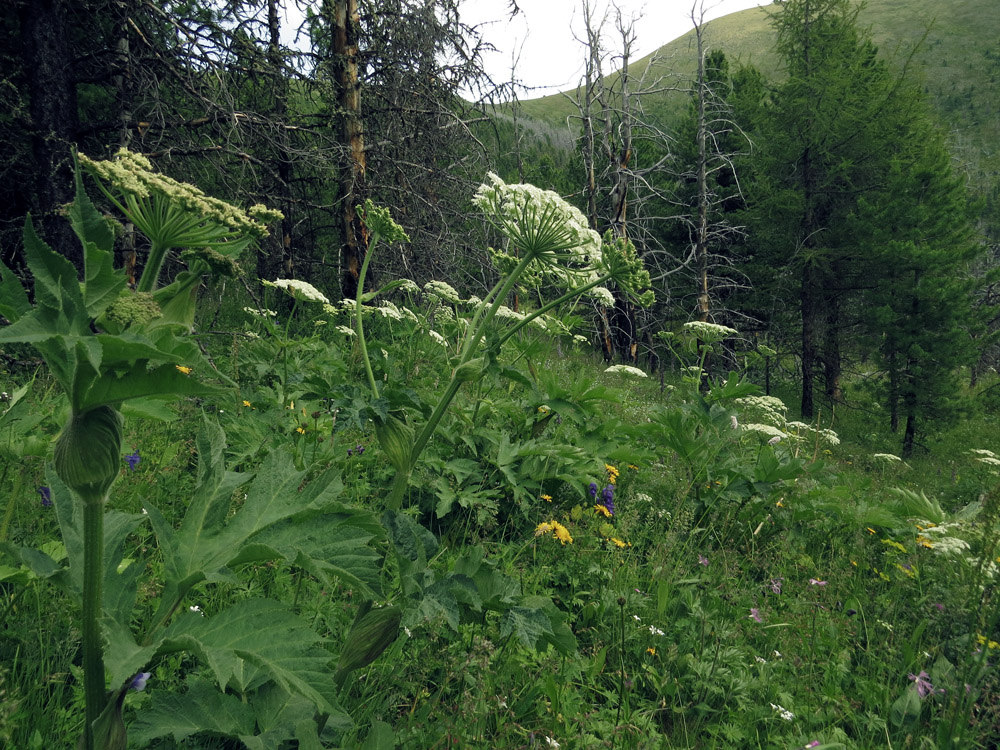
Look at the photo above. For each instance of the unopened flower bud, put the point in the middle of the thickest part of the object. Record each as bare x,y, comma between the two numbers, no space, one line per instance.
88,451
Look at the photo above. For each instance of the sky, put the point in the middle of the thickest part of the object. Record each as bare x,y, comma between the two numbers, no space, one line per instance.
541,36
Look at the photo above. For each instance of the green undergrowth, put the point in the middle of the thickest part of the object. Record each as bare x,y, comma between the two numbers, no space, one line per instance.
741,595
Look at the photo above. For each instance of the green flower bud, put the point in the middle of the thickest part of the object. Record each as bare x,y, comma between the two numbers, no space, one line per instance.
396,439
471,370
88,451
373,632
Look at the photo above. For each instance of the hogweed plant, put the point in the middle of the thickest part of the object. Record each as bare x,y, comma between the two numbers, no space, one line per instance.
547,238
106,345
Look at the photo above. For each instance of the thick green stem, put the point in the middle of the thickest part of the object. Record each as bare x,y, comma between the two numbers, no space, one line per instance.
151,272
359,324
93,648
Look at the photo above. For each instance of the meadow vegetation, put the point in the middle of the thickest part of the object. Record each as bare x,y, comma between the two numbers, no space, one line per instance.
414,519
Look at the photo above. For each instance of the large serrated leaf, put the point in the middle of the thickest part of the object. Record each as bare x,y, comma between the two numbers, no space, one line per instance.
101,283
267,635
13,299
201,709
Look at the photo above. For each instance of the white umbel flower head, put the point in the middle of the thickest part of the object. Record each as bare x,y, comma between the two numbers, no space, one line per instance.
540,224
626,370
442,290
298,289
709,332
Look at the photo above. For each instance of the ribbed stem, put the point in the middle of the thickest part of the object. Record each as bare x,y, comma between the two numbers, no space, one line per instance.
93,648
151,273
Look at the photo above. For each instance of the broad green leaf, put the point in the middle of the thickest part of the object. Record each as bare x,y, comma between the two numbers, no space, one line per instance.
14,301
149,408
123,657
438,601
57,287
137,383
201,709
905,710
529,624
329,544
102,283
265,634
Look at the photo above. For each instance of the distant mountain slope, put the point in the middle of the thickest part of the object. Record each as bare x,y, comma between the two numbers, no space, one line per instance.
959,62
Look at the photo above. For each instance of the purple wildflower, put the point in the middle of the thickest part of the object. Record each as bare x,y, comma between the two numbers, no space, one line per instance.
608,495
359,450
593,489
350,452
816,582
139,681
776,585
814,743
702,560
923,683
755,615
132,459
46,494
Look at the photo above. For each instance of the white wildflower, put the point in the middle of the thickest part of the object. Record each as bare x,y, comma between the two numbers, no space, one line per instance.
626,370
655,630
580,339
263,313
887,457
709,332
765,430
298,289
390,311
409,287
989,460
437,337
346,330
983,452
441,290
409,314
642,497
602,296
784,713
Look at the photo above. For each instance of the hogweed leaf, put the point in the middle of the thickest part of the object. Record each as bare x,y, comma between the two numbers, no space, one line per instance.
202,708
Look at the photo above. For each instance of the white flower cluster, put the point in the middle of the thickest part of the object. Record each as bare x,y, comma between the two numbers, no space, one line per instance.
803,430
982,452
580,339
390,311
298,289
442,290
263,313
889,458
437,337
709,332
626,370
524,213
769,431
784,713
602,297
769,409
346,330
990,460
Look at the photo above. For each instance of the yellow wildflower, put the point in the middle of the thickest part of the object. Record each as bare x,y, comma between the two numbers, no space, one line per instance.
247,403
547,498
854,563
870,530
894,544
779,504
618,542
543,528
602,510
651,651
561,533
183,369
300,430
923,541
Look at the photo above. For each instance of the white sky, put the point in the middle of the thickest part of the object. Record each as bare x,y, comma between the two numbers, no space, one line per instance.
541,36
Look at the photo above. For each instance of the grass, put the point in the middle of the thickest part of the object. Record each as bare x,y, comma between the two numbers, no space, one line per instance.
748,582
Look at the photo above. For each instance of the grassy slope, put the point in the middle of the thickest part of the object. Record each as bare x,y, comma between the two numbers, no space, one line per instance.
959,62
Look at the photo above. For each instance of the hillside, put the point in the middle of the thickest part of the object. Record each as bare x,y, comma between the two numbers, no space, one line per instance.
958,60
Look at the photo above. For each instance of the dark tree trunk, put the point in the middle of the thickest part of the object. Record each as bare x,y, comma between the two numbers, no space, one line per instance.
354,236
810,330
48,64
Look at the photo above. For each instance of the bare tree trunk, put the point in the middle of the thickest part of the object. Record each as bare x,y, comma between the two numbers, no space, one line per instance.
48,65
354,236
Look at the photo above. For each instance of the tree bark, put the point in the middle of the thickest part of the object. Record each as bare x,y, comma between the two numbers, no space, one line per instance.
48,65
354,236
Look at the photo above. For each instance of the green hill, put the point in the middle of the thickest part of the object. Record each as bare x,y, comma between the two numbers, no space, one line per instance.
958,61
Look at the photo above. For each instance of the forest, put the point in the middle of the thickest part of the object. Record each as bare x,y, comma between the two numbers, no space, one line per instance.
351,398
